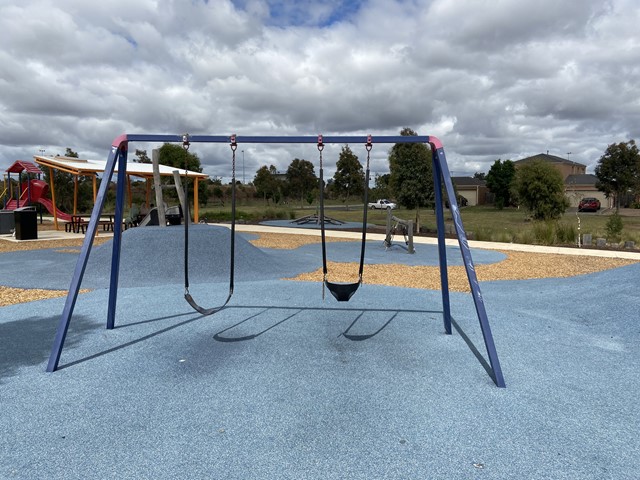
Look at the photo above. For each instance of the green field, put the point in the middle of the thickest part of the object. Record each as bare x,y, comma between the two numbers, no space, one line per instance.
480,222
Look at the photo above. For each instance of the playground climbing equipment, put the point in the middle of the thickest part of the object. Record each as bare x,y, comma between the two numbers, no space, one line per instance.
398,225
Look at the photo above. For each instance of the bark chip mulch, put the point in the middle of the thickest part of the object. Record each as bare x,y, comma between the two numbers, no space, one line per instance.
517,266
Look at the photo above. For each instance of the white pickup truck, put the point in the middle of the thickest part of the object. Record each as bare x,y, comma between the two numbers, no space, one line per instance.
383,204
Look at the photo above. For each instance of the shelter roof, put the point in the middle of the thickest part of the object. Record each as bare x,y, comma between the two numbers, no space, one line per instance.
78,166
22,165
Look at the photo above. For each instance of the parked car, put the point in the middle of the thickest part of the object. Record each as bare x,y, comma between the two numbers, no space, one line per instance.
589,204
462,202
383,204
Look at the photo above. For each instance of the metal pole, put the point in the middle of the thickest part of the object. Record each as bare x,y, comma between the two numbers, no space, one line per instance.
155,159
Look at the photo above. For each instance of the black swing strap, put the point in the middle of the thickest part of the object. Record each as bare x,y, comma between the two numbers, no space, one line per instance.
322,234
343,291
365,211
187,295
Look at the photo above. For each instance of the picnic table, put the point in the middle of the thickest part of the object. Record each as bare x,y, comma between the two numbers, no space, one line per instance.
79,223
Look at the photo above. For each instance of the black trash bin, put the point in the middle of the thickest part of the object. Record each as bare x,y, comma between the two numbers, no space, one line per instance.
173,215
26,220
7,223
153,220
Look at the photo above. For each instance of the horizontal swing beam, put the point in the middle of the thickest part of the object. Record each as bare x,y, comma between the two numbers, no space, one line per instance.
278,139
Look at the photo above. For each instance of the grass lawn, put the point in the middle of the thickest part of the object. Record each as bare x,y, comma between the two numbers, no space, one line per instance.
482,222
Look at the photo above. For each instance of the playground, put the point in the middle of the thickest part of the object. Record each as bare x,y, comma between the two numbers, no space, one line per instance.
282,384
32,191
288,382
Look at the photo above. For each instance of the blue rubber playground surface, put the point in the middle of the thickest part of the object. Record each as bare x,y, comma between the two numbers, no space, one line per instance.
285,385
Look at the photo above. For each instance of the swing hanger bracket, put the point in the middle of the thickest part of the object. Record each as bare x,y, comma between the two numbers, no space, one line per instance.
233,143
369,144
320,143
185,141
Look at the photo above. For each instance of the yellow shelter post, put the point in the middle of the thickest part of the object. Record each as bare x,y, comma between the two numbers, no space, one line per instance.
196,212
53,199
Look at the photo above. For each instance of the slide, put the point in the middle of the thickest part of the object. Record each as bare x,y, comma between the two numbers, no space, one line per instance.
49,206
38,189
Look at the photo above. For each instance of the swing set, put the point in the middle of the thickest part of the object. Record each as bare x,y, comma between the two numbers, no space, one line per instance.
341,291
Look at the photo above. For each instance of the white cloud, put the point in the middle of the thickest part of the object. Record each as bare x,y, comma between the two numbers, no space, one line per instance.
501,79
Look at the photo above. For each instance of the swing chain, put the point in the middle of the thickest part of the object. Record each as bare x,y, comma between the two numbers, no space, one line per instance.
185,146
234,147
320,148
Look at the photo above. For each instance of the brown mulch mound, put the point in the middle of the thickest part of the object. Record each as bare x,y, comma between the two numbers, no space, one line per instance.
517,266
6,246
9,246
12,296
289,242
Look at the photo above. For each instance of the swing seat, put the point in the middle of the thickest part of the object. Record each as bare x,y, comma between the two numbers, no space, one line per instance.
342,291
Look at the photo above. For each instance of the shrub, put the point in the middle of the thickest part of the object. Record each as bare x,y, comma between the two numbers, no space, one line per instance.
566,233
544,233
525,236
482,234
614,228
269,214
504,237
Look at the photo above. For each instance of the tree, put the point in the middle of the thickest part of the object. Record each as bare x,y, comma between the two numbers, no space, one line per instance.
174,155
411,177
301,178
349,177
218,193
381,188
203,192
540,188
65,187
265,182
618,170
499,181
141,156
480,175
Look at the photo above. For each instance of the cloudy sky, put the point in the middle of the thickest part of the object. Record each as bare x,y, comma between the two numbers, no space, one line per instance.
491,78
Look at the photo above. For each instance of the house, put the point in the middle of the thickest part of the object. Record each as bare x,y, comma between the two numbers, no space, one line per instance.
578,184
564,166
473,189
581,186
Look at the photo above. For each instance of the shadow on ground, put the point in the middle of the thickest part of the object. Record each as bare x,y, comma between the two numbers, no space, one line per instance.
27,341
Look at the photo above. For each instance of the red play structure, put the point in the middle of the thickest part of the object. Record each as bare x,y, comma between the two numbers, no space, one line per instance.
32,190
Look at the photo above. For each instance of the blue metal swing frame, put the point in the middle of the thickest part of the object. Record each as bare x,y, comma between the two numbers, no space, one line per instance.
118,158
